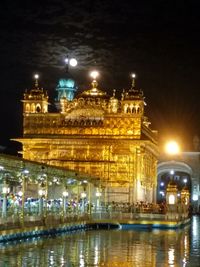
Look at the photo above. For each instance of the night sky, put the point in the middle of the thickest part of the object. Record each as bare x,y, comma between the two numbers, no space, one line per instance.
158,40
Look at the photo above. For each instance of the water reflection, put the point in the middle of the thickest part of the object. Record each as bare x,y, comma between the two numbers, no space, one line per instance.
108,248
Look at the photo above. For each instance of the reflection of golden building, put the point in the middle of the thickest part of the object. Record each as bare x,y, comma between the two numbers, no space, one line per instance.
98,135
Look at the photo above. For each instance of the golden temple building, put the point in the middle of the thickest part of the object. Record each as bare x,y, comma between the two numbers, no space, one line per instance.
106,137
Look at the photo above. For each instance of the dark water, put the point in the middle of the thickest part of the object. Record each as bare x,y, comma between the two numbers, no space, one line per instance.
108,248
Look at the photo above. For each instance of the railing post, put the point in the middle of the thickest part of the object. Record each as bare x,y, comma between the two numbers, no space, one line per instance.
23,201
89,198
5,191
4,206
41,206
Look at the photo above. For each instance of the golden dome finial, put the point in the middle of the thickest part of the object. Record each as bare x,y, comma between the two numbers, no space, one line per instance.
94,74
114,91
133,80
36,76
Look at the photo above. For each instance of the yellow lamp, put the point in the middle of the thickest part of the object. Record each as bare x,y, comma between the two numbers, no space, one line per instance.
172,148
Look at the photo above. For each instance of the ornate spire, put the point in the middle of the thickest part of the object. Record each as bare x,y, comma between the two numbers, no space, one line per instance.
36,99
94,84
133,80
133,93
36,76
94,74
36,92
94,91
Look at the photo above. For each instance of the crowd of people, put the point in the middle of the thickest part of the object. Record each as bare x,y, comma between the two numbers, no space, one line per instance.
138,207
14,204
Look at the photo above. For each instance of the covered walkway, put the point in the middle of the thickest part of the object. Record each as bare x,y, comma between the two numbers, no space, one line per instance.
31,192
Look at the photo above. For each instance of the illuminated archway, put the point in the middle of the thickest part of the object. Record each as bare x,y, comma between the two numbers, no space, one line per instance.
177,171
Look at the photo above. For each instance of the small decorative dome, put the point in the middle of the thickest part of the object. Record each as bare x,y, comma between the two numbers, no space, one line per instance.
36,100
92,103
133,93
36,93
172,185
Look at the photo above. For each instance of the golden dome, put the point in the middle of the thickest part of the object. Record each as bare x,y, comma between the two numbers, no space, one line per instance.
94,91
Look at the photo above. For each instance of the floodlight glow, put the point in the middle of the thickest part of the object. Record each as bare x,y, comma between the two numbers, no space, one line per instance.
185,181
26,171
65,194
5,189
162,184
94,74
36,76
172,172
172,148
133,75
98,194
73,62
195,197
55,180
41,192
83,195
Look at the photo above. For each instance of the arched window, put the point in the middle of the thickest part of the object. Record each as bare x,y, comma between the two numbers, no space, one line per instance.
94,122
27,108
32,107
128,110
134,109
131,108
82,122
38,108
45,109
88,122
125,108
100,123
171,199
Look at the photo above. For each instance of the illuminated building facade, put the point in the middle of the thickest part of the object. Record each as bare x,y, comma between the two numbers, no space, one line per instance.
95,134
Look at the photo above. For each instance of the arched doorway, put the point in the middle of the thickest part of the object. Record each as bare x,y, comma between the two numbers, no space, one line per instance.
179,172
